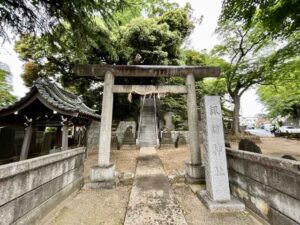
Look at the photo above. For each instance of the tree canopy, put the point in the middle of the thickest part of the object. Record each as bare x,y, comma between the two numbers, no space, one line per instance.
282,97
157,41
277,17
6,97
154,40
40,16
248,53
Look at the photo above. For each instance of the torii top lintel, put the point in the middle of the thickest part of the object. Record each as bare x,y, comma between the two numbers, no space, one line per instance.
146,70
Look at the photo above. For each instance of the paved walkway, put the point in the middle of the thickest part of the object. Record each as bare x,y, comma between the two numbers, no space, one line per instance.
152,200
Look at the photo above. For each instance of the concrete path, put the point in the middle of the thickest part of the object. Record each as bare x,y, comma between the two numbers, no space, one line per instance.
152,200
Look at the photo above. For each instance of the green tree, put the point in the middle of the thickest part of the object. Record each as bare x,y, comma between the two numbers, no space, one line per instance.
40,16
247,50
207,86
113,45
30,73
177,103
45,57
278,17
6,98
194,58
157,41
282,97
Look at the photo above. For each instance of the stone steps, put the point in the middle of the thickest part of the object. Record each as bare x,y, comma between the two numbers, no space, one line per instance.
148,136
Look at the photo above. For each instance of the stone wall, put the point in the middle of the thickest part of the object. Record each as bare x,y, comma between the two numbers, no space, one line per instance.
93,136
269,186
31,188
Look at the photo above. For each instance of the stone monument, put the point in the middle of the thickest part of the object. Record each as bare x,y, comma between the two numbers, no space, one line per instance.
181,141
128,140
217,194
168,121
166,140
114,145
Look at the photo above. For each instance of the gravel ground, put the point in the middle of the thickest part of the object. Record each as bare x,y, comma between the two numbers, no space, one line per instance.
125,161
277,147
196,213
173,160
91,207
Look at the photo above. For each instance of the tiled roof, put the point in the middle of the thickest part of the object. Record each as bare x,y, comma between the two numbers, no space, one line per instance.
55,98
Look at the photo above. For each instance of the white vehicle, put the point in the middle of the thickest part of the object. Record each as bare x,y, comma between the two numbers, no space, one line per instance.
289,129
268,127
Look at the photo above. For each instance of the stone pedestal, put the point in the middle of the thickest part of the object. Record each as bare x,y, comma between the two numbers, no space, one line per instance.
194,173
102,176
234,205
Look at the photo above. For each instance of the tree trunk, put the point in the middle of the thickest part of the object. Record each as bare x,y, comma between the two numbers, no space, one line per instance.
236,115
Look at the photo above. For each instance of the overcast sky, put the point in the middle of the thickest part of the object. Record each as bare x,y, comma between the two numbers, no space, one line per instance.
202,38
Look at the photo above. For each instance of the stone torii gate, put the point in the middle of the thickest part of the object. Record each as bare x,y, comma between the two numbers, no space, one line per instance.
103,174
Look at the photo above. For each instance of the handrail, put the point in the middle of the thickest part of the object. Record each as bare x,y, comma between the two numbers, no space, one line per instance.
140,121
155,120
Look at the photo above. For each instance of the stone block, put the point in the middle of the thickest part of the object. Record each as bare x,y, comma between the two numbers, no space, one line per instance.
194,173
277,218
256,171
122,127
102,176
20,206
126,178
166,140
29,174
128,147
181,141
35,215
261,194
234,205
284,181
235,178
249,146
129,141
236,164
114,145
102,173
26,186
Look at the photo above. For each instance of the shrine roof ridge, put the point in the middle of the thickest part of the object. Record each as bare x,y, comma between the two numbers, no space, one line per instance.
54,98
146,70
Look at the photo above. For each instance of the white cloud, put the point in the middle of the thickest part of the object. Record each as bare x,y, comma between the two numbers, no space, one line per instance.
10,57
203,36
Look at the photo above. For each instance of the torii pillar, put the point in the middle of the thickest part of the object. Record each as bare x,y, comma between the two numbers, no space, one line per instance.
194,169
103,174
